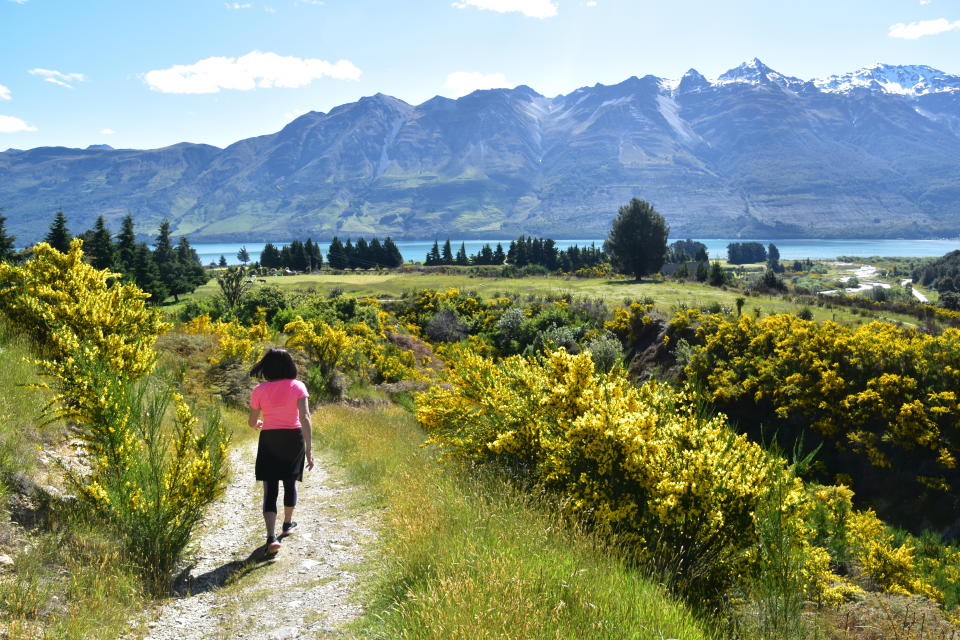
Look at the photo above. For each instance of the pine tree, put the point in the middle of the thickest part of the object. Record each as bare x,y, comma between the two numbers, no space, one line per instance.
308,249
270,256
351,254
165,258
376,253
59,236
499,257
126,247
433,256
194,275
461,258
298,256
7,252
147,276
99,248
361,255
392,252
316,256
336,256
637,242
447,257
243,255
222,262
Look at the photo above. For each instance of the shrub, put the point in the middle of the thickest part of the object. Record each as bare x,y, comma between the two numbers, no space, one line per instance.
445,326
606,352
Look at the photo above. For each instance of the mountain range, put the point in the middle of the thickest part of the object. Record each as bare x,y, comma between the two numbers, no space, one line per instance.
753,153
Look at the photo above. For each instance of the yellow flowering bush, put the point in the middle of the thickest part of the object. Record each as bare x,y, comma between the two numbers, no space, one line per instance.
640,463
235,342
643,464
885,391
354,347
148,478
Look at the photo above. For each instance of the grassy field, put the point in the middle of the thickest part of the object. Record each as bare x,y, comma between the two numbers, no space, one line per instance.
467,555
666,295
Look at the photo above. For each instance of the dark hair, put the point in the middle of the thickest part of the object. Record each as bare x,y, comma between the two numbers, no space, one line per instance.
276,364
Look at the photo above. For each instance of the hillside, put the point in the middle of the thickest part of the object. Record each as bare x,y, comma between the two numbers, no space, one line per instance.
866,154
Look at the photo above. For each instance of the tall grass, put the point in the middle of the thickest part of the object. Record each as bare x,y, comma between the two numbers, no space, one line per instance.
467,555
68,581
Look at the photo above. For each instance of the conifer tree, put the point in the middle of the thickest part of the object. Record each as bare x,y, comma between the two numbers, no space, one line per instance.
222,262
7,252
147,276
126,246
433,256
298,256
59,236
375,251
447,257
392,252
499,257
361,255
461,258
194,275
270,256
165,258
99,246
351,254
243,255
336,256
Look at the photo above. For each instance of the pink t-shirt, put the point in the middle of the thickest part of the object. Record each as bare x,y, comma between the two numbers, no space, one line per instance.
277,399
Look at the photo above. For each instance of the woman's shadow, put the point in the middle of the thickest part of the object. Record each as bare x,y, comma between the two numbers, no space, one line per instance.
186,584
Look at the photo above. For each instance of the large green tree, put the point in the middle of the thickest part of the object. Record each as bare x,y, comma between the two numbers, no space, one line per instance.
126,247
59,236
99,246
637,243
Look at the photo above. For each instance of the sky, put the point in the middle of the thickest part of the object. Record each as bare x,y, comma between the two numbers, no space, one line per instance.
151,73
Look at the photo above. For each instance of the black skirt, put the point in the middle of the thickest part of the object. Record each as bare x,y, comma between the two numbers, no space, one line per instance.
280,454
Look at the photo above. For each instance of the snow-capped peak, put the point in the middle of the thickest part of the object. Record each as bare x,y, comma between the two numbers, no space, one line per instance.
755,72
906,80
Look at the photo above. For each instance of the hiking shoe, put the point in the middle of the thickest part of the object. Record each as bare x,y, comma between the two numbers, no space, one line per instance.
289,528
273,545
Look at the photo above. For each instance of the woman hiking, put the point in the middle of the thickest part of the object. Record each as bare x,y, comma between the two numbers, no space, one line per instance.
280,410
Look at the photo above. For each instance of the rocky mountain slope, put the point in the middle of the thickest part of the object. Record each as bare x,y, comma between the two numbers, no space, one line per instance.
873,153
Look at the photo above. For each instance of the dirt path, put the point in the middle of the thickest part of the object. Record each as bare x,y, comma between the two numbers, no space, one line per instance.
236,591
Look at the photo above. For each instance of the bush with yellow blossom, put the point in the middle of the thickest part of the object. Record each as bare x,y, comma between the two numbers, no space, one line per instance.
150,474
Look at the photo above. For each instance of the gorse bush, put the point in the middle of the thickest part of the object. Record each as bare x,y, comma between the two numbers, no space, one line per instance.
148,479
887,393
644,464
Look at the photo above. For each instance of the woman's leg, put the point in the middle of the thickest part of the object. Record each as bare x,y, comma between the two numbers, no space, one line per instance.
271,489
289,499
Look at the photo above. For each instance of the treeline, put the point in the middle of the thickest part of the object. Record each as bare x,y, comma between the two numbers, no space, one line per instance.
306,256
525,251
687,251
943,274
746,252
297,256
486,256
163,271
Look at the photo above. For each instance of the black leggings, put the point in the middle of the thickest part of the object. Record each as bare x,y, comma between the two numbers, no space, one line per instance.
271,489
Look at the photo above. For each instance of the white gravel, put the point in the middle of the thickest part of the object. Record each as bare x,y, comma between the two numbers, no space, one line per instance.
305,591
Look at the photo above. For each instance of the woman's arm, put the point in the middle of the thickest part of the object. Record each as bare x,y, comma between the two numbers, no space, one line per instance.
254,419
303,404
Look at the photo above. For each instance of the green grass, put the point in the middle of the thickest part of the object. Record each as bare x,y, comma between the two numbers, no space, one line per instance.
666,295
466,555
68,579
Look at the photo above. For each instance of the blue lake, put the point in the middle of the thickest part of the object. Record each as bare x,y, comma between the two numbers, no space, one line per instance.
717,247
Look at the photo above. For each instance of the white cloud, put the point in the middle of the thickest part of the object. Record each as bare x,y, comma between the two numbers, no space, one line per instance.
269,9
531,8
4,93
58,77
592,3
464,82
237,5
914,30
257,69
107,132
19,1
925,2
10,124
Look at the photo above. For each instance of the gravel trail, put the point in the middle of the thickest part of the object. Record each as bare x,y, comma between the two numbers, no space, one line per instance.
236,591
